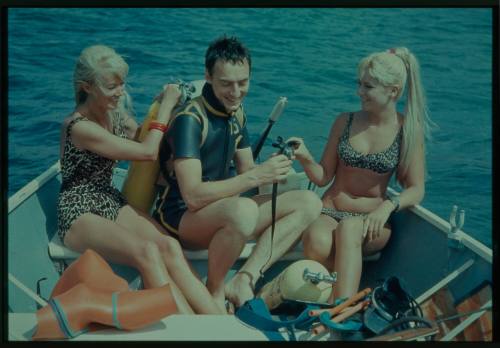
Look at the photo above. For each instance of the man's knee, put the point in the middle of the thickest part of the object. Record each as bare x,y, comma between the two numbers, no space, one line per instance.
307,202
313,204
242,215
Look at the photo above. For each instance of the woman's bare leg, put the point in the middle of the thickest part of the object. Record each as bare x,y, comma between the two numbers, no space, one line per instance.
319,242
349,254
183,277
121,245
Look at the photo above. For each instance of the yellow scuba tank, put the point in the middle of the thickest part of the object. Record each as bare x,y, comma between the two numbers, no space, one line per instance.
139,186
304,280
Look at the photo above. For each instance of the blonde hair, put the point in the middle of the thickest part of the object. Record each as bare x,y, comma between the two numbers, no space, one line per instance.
396,67
95,62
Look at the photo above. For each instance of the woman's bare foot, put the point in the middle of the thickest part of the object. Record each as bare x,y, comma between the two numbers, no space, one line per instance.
219,296
240,288
230,307
220,300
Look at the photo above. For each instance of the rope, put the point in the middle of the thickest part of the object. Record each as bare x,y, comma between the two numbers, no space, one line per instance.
456,316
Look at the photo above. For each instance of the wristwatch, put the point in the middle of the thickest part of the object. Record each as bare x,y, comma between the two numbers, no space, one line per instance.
395,201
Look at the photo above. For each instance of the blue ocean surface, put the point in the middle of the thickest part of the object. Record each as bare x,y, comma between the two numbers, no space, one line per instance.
308,55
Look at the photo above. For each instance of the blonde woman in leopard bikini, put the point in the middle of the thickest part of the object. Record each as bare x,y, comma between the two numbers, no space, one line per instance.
92,214
364,149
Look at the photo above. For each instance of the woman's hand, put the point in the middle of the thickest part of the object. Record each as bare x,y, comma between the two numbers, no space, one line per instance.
374,222
300,150
168,99
172,93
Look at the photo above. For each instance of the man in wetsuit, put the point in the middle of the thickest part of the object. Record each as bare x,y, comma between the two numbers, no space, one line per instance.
202,206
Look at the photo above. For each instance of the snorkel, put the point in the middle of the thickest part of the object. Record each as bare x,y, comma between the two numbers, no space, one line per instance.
273,117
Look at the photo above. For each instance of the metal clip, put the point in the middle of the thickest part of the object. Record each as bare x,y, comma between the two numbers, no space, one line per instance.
187,89
316,277
453,239
39,292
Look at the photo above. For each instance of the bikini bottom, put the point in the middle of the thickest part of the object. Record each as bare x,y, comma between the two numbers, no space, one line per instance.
339,215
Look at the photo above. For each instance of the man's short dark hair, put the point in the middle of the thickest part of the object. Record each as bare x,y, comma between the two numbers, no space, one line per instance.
228,49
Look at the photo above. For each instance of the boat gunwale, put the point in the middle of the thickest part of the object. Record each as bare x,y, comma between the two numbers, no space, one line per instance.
30,188
444,226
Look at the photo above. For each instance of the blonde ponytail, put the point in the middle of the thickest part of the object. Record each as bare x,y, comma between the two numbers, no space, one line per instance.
417,125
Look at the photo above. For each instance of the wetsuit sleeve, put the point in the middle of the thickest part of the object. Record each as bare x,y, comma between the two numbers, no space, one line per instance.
184,137
245,140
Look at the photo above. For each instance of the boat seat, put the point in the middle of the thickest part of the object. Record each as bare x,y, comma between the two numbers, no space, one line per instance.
58,251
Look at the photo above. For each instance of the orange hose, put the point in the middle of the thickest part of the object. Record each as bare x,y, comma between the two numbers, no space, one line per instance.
343,315
337,309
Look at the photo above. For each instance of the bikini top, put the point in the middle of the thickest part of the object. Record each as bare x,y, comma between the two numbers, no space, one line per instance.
381,162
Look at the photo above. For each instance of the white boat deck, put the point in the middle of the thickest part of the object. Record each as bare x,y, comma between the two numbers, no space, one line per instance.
175,327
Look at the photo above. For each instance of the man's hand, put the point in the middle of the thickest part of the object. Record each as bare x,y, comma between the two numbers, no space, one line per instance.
274,169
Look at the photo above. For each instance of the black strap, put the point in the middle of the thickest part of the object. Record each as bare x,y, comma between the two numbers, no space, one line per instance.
274,197
255,313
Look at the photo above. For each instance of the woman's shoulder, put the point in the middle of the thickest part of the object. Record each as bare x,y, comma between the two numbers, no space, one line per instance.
72,116
342,118
71,123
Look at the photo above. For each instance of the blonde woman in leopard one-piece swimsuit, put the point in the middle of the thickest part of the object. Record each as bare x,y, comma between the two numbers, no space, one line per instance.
92,214
364,149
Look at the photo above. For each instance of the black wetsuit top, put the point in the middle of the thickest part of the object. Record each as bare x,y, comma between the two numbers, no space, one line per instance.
224,136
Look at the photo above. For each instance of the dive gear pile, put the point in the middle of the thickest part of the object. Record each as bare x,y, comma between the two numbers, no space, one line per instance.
388,312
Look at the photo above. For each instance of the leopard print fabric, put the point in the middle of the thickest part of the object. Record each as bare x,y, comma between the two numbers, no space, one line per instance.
87,181
339,215
380,162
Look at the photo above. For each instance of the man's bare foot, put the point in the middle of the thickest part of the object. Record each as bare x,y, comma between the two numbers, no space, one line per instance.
240,288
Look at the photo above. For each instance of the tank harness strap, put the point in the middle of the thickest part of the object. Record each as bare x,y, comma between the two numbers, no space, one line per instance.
63,320
114,308
256,314
198,105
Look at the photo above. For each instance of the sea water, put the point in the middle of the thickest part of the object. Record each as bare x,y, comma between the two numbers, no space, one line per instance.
308,55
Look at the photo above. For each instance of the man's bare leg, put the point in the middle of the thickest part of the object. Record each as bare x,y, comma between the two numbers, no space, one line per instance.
295,211
222,227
